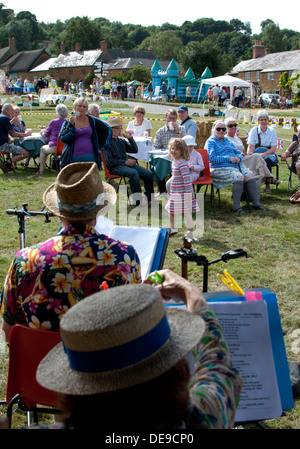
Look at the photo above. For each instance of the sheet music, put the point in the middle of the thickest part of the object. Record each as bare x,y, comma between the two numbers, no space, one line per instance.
246,330
143,239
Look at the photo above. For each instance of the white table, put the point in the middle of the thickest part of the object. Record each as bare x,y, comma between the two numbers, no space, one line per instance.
144,145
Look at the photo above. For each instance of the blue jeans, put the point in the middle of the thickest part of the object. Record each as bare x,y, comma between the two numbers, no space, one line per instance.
135,173
270,160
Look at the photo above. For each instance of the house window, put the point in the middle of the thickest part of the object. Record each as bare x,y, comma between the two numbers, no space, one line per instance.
257,76
57,71
70,72
82,72
271,76
247,76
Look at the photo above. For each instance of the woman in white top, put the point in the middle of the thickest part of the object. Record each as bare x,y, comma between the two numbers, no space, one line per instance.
139,126
255,161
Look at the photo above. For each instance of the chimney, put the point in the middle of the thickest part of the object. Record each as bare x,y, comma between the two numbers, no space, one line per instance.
258,50
11,44
103,46
62,48
268,51
77,47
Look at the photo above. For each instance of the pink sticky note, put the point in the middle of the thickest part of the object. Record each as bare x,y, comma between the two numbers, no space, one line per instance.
254,296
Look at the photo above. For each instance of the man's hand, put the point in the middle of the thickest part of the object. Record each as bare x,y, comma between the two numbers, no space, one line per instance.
130,161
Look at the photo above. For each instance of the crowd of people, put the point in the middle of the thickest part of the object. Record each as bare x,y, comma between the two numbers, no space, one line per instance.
88,286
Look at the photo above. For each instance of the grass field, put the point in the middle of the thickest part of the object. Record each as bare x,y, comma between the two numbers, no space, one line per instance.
271,240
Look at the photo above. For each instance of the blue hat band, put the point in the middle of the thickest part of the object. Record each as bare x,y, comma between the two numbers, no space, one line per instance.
121,356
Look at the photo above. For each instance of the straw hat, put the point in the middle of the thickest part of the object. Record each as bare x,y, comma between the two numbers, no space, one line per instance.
118,338
79,193
115,121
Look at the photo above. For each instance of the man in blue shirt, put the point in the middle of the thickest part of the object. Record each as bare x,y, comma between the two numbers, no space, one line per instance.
6,132
189,124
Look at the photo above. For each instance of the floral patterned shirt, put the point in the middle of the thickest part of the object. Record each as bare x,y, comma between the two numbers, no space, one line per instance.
46,279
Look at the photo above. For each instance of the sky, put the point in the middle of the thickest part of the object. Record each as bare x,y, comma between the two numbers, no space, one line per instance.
157,12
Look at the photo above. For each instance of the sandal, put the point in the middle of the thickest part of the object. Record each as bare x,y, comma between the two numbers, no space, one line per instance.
268,189
276,181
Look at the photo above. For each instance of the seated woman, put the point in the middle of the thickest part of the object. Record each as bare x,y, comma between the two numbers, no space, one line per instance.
255,162
263,139
123,364
226,168
139,126
17,123
294,150
51,133
83,135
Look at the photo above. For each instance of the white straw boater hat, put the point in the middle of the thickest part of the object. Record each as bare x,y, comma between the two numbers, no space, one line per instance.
118,338
79,193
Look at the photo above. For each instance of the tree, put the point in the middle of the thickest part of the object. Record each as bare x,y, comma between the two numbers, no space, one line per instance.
199,55
81,30
140,73
272,36
165,44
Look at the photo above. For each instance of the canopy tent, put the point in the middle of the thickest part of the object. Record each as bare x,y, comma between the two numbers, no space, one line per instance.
226,81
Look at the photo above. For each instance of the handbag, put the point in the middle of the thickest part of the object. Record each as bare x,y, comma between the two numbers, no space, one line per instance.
295,198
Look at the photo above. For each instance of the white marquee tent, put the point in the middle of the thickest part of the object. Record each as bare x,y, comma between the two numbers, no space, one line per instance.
227,81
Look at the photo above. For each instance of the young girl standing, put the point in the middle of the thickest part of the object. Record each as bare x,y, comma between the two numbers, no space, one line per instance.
182,199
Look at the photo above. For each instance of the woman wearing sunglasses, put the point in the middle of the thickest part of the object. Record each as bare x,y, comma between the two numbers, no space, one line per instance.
255,162
226,168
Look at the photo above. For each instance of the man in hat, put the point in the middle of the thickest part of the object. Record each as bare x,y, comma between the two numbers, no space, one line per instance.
124,359
118,162
45,280
189,124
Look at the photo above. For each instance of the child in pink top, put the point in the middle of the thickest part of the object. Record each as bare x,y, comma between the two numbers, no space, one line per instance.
182,199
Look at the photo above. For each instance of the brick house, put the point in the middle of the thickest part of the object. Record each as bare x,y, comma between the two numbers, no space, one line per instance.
77,64
19,64
265,69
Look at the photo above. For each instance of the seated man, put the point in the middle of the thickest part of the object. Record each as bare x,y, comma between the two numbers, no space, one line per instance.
118,163
169,131
187,122
45,280
7,131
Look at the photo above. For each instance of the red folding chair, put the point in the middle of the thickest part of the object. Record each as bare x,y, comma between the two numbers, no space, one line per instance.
27,347
205,179
54,157
110,176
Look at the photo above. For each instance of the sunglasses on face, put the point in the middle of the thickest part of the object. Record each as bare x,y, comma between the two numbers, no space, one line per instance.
232,125
221,129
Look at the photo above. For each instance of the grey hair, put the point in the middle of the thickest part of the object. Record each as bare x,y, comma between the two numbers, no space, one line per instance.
172,111
228,120
262,114
217,122
92,107
62,110
5,106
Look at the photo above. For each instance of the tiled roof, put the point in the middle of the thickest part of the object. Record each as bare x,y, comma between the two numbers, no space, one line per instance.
275,62
76,59
24,60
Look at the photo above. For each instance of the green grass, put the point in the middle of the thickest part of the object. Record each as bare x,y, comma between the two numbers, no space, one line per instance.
270,239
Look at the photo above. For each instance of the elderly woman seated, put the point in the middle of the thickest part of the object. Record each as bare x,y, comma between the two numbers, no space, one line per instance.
294,151
226,168
263,139
139,126
51,133
255,162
